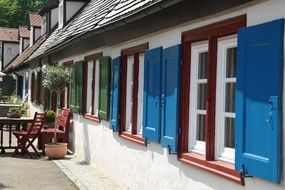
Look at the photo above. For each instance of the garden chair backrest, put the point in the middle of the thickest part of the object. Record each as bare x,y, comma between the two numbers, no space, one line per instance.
37,124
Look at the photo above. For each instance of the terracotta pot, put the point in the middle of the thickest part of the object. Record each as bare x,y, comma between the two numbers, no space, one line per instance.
50,124
57,150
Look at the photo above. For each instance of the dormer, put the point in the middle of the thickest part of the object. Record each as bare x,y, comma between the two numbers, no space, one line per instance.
34,27
67,9
24,38
49,18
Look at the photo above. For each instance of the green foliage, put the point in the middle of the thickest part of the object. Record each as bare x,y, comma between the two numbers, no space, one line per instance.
56,77
14,13
19,111
51,115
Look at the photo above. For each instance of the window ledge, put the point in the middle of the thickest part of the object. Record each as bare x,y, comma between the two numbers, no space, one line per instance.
92,118
133,137
221,168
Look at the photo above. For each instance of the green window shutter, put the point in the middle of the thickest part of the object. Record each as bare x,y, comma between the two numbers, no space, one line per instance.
76,87
104,87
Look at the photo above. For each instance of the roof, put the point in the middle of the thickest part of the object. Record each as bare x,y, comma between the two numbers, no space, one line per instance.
34,19
24,56
9,34
24,32
96,14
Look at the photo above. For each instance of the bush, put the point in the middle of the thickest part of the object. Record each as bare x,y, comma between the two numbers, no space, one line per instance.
51,115
56,77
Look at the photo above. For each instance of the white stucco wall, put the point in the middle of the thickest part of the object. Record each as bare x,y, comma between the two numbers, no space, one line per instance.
14,52
137,167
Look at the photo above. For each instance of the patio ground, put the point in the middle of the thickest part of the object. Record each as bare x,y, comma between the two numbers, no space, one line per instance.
71,173
32,174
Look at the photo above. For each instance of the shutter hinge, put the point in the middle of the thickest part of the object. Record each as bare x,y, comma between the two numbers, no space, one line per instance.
179,131
169,150
146,142
243,172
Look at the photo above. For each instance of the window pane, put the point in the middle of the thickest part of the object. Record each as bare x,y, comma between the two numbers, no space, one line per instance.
230,97
230,132
201,127
203,66
202,96
231,63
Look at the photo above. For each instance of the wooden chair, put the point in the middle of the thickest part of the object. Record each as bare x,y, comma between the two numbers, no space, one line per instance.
25,138
62,132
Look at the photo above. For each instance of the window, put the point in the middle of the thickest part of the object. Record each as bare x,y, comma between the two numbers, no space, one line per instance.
9,51
225,98
132,93
207,103
92,74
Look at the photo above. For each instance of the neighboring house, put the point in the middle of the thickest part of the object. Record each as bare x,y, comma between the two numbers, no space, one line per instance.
172,94
17,66
9,45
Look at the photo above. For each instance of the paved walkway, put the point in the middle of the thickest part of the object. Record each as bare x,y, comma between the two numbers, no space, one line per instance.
85,176
42,174
32,174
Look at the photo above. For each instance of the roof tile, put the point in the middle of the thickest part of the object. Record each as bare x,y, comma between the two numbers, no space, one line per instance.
35,19
96,14
9,34
24,32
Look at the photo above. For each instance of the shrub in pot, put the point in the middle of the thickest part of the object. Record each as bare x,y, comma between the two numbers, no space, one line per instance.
56,79
50,119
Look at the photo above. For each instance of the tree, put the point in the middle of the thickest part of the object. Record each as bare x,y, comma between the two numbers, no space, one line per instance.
14,13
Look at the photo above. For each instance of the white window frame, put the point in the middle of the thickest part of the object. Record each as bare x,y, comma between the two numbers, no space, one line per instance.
95,91
140,94
223,153
129,98
193,144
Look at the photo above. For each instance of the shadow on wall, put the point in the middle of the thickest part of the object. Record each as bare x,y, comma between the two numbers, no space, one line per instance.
201,176
128,143
86,143
71,140
2,186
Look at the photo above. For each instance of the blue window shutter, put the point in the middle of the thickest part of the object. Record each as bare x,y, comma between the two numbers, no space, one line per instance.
258,102
169,96
115,93
152,90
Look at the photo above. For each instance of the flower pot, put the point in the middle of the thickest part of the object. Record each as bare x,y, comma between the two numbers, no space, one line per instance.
56,150
50,124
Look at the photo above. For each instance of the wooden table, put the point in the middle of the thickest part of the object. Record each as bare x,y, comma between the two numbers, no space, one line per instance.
11,124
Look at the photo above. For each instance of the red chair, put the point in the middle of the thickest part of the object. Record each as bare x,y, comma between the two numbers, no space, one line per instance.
25,138
62,131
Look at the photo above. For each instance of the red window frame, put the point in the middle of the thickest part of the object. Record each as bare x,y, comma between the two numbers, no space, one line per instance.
211,33
132,51
66,64
88,58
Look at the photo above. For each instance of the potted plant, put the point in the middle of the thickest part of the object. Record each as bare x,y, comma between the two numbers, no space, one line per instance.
50,119
56,78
